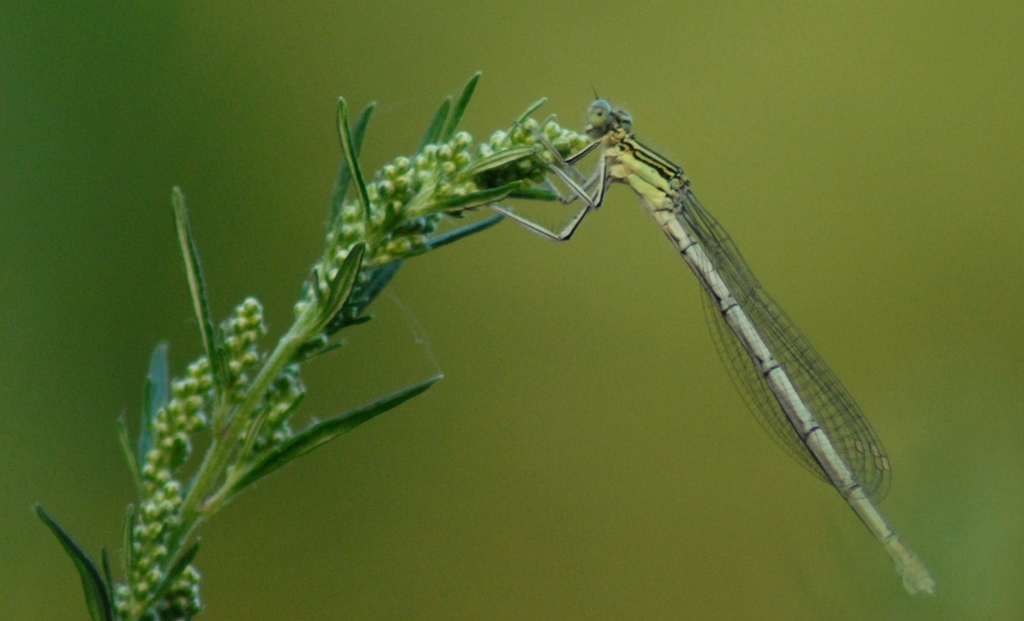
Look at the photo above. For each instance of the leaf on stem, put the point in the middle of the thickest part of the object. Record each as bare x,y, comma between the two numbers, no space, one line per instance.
363,295
436,124
460,107
155,396
321,433
475,199
175,571
126,538
340,287
499,159
534,194
533,108
108,578
465,231
197,287
96,592
352,158
129,454
344,176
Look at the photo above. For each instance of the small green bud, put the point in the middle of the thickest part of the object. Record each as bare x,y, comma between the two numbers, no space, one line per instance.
154,575
498,138
462,141
233,344
196,422
351,212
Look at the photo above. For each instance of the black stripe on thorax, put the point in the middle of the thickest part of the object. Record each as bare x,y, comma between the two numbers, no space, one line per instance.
666,169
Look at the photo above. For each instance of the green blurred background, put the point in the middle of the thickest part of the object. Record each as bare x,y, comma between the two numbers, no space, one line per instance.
585,456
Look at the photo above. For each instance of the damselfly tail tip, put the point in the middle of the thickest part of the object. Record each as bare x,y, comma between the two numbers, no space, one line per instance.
916,578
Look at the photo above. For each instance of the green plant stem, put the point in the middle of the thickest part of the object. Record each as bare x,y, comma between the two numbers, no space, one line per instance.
195,505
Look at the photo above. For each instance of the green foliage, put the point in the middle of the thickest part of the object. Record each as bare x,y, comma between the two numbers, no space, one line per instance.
97,598
240,397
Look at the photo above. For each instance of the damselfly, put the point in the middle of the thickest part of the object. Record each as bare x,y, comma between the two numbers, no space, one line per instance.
796,397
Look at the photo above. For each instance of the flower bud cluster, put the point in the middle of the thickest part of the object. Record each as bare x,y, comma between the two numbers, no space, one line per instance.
534,168
181,600
158,514
282,397
409,195
241,334
174,423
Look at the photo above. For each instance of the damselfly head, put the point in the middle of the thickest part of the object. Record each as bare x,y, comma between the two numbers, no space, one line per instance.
601,119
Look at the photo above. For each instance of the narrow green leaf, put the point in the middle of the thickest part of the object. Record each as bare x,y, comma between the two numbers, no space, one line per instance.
341,286
108,579
460,107
175,571
318,290
127,538
535,194
436,124
307,353
344,176
323,432
129,454
475,199
197,287
465,231
96,598
352,158
157,391
499,159
533,108
363,295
